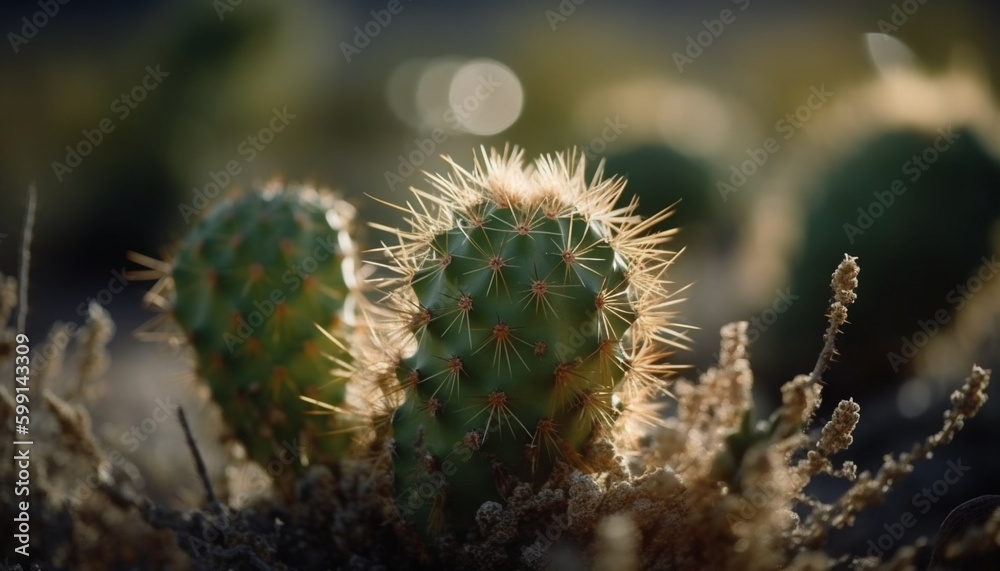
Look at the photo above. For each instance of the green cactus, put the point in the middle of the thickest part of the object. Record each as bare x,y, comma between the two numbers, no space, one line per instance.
262,283
539,319
941,215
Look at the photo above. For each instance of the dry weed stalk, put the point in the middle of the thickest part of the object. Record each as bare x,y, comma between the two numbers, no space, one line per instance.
78,491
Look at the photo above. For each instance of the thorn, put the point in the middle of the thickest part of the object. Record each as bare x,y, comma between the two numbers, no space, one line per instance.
563,373
420,319
433,407
541,349
412,380
473,440
256,271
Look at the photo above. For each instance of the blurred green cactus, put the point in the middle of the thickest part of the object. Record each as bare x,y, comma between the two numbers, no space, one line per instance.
264,291
661,176
536,317
903,200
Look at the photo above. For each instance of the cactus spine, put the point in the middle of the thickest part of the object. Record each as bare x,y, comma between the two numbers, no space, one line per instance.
533,317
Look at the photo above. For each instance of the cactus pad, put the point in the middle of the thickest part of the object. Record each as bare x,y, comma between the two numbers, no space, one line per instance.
261,283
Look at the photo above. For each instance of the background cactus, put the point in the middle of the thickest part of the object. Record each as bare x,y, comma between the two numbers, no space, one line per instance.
652,168
263,288
536,317
942,214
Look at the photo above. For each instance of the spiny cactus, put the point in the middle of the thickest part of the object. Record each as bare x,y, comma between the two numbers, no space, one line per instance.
536,317
263,288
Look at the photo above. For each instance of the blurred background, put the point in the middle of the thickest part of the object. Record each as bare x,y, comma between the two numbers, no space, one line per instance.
790,133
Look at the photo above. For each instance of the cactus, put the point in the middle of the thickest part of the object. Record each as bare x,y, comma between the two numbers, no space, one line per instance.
651,168
262,283
951,235
536,317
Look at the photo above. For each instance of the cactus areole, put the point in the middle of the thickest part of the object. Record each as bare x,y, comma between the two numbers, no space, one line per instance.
256,279
537,318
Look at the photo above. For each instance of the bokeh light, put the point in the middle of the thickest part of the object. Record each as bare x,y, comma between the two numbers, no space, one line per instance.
486,97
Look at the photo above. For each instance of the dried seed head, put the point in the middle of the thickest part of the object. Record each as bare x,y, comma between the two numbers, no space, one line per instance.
837,434
845,280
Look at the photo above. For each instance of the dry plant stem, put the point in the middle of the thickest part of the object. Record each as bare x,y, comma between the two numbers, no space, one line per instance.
75,422
845,280
870,490
801,396
29,229
213,502
94,357
8,298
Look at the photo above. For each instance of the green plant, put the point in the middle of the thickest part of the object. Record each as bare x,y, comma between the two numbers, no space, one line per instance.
263,287
533,316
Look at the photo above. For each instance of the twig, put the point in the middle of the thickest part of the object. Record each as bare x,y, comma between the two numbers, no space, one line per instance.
843,283
29,229
827,353
213,502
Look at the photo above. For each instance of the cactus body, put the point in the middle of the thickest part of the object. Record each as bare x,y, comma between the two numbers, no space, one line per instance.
255,280
537,314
